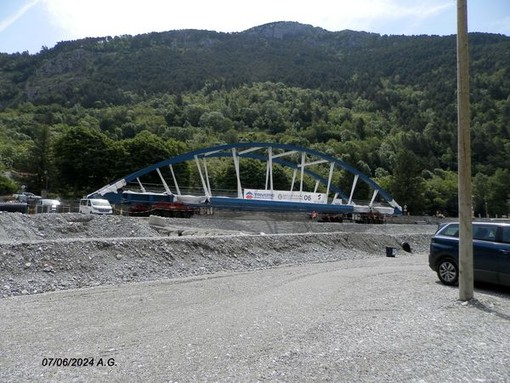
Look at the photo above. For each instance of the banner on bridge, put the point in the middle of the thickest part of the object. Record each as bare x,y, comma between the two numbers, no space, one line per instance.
285,196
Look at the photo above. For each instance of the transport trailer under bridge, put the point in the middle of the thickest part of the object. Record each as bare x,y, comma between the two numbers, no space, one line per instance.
302,166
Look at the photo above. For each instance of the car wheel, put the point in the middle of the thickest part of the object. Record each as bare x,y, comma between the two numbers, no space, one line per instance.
448,272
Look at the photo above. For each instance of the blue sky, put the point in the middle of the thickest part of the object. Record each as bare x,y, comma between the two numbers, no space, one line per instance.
28,25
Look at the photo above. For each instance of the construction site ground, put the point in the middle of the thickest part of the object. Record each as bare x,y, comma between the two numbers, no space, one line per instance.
210,299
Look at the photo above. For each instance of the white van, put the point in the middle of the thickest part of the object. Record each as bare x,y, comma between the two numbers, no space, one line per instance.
95,206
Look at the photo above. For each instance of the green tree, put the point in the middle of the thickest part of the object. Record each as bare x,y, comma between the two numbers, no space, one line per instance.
407,186
42,158
84,160
192,114
147,149
441,193
480,194
143,150
7,185
215,121
498,197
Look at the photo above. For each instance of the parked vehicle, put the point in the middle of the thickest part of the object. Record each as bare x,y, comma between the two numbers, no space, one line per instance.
27,197
491,253
95,206
45,205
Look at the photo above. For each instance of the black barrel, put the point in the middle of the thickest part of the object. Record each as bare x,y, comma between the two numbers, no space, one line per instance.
14,207
390,251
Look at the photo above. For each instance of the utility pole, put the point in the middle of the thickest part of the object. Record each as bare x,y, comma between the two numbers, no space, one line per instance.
466,284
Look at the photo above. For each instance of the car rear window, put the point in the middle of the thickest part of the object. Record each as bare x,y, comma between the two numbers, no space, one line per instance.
485,233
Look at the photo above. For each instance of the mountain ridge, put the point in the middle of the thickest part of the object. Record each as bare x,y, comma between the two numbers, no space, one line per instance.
103,69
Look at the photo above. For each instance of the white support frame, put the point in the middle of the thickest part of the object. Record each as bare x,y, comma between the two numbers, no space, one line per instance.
352,189
167,189
314,163
207,177
373,198
204,186
142,188
284,154
175,180
294,173
238,176
303,161
330,177
248,151
270,166
209,153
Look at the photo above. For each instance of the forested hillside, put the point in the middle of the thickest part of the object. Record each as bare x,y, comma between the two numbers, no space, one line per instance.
81,114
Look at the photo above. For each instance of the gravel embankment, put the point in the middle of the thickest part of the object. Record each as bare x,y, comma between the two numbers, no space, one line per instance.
47,252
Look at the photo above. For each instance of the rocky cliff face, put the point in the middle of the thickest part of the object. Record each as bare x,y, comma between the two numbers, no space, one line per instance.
282,29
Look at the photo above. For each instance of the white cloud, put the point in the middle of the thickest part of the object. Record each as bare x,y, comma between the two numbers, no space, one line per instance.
11,19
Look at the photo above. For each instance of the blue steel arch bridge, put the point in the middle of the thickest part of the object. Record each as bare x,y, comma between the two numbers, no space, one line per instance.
304,167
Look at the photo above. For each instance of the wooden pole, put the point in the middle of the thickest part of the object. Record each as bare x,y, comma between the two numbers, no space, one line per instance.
464,157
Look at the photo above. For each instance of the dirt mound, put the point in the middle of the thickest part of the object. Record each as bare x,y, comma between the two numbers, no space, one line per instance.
17,227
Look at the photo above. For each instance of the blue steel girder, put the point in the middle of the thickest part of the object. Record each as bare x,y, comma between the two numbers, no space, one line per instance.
226,151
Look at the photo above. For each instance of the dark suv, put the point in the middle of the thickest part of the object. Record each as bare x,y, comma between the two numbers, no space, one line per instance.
491,253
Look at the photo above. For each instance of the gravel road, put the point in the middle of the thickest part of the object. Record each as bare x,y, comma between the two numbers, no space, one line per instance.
366,320
208,300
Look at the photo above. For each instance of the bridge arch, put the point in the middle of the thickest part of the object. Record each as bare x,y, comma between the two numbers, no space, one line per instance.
326,197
